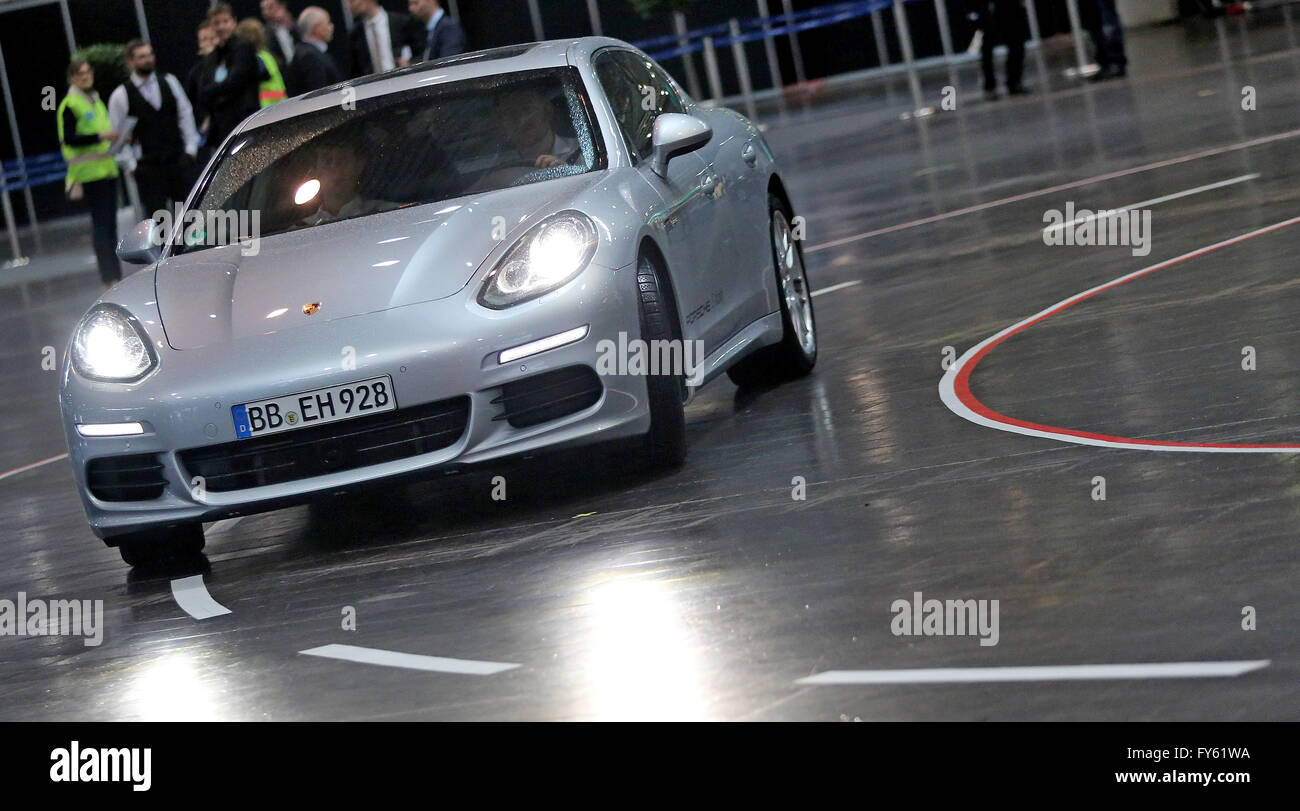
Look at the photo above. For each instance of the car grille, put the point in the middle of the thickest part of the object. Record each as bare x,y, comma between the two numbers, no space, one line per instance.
541,398
324,449
126,478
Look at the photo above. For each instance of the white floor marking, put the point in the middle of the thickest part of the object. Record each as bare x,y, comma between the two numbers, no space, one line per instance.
835,287
953,675
1015,198
954,387
193,598
410,661
32,466
223,525
1152,202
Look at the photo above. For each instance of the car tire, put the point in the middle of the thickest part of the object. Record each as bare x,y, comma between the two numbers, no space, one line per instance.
158,547
664,446
796,354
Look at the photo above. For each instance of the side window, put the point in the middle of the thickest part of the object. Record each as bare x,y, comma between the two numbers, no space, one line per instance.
639,91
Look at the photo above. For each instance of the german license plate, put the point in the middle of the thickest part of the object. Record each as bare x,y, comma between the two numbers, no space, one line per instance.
318,407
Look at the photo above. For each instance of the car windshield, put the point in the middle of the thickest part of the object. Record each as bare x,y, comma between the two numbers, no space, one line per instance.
403,149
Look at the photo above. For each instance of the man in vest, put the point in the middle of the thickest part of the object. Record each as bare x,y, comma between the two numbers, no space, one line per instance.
86,136
165,139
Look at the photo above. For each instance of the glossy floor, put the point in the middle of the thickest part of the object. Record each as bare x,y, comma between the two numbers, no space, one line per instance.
709,592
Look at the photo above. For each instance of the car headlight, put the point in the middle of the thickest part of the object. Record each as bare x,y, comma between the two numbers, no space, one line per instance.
552,253
110,345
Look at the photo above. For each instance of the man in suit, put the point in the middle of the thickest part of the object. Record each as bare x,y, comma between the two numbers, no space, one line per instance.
281,33
312,67
379,40
228,80
442,35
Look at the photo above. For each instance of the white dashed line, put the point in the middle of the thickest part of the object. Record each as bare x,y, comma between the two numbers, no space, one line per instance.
410,661
950,675
835,287
192,596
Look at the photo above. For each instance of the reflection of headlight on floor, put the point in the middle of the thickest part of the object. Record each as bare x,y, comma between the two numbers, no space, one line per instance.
170,688
552,253
108,346
642,661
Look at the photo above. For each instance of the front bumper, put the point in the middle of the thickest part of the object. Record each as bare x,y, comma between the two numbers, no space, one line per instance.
434,351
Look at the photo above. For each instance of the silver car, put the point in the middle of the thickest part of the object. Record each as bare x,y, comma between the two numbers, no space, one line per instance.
531,247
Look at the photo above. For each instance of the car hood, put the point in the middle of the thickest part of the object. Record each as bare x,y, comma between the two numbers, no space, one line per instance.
347,268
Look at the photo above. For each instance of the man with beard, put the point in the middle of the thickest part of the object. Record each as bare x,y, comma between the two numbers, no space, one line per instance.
164,141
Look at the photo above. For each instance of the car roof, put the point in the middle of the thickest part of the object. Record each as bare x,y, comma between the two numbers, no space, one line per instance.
474,65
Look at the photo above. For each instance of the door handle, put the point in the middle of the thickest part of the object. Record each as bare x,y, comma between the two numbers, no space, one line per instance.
710,183
750,154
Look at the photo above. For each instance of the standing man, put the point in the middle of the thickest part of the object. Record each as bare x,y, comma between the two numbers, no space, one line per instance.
194,80
442,35
1108,41
379,41
312,67
230,76
86,136
1003,21
281,33
164,141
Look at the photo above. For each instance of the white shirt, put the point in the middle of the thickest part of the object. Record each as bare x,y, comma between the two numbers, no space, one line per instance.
428,30
119,107
380,41
285,40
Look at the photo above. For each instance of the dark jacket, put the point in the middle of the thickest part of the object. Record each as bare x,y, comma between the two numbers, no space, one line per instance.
446,39
403,31
232,99
310,70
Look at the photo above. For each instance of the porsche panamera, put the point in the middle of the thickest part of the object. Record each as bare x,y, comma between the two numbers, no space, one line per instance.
419,269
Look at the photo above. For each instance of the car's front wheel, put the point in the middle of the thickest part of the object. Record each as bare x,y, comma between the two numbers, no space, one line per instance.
158,547
665,444
796,354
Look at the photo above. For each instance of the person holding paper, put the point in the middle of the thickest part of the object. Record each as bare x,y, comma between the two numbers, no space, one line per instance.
164,140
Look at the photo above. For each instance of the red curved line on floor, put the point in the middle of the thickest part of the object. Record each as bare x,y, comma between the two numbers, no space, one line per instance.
961,386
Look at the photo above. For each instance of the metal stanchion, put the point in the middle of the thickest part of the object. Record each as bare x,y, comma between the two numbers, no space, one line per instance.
742,70
945,32
1035,33
692,78
535,11
593,11
12,227
711,68
67,27
143,22
800,75
1076,27
18,151
905,42
878,33
769,48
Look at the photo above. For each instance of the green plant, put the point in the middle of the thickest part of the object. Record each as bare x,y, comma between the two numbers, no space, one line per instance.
109,63
653,8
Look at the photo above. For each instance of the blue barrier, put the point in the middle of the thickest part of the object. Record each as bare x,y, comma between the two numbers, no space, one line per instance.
779,25
38,170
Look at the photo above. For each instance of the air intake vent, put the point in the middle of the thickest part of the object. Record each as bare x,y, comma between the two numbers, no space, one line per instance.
545,397
126,478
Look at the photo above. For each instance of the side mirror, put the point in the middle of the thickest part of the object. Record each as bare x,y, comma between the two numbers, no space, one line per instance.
676,134
142,246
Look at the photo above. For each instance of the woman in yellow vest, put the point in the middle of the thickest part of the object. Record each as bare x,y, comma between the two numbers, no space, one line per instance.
272,88
86,136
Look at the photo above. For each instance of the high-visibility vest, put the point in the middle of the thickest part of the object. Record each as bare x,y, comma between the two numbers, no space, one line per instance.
87,164
271,90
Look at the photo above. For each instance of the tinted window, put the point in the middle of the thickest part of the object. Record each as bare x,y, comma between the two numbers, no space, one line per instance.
418,146
639,92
